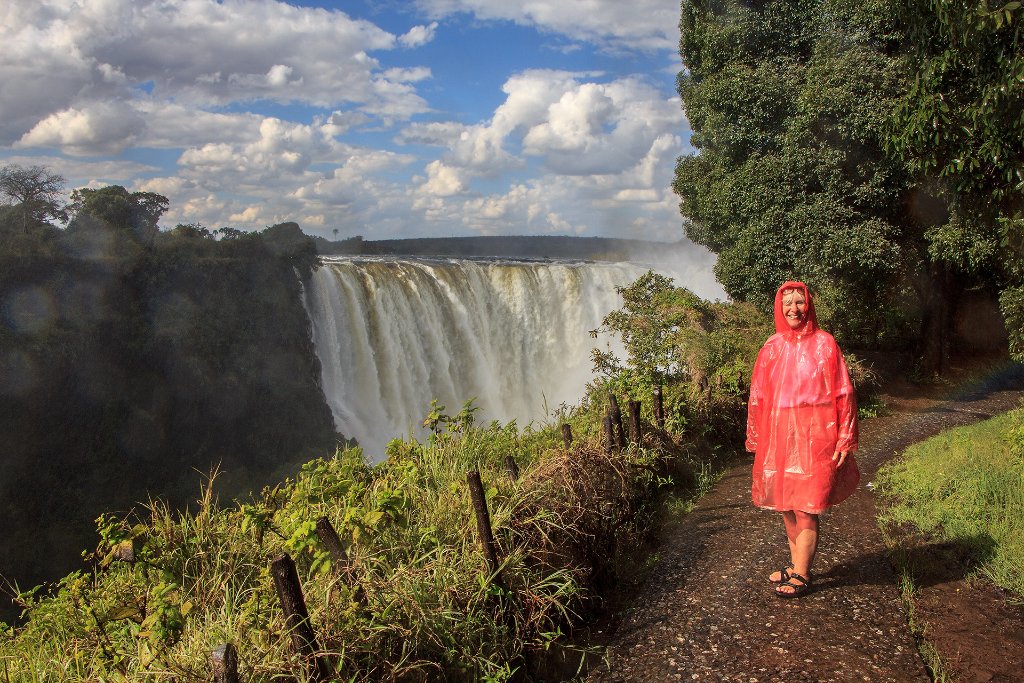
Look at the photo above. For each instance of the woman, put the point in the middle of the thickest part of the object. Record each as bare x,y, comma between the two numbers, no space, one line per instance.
802,429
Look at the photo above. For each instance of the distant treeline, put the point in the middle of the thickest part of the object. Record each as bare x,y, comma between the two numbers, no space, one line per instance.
135,361
531,247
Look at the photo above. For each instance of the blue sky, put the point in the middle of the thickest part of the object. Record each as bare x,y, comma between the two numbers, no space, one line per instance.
378,118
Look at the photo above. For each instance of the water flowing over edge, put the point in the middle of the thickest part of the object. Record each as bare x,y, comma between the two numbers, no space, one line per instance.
394,333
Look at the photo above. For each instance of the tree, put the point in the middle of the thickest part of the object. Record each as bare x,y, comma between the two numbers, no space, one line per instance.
35,191
788,102
653,310
128,213
793,106
191,231
702,351
226,233
960,126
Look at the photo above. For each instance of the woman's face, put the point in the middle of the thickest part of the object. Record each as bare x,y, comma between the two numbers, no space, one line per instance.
794,307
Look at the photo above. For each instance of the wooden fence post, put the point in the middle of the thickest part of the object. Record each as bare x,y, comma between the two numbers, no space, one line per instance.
339,555
659,407
511,467
296,616
224,660
329,537
483,525
620,432
609,434
567,434
634,422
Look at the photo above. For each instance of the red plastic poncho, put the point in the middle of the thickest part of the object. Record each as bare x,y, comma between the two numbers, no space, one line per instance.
802,410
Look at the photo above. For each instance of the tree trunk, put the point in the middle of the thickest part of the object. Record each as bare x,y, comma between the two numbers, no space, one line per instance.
939,299
659,406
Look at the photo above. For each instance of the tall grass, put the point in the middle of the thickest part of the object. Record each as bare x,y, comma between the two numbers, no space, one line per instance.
413,601
966,486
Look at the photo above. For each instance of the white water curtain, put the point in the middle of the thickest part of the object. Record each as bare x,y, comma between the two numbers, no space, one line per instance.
392,334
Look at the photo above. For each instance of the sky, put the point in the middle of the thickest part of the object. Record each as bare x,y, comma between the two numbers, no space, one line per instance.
379,118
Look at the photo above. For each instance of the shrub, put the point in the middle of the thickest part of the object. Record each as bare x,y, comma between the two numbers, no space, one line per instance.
410,601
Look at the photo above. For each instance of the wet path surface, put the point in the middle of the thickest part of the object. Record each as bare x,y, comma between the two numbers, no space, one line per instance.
707,612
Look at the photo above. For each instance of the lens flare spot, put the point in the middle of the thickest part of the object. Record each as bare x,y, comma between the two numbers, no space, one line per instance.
30,310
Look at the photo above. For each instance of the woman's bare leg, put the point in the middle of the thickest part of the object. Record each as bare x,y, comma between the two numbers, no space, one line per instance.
804,544
789,520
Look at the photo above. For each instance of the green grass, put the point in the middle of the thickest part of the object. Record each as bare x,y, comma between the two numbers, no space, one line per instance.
412,603
966,486
932,658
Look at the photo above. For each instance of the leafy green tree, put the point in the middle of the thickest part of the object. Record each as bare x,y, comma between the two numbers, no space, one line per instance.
226,233
808,116
961,115
35,192
191,231
959,125
135,214
645,324
788,102
702,350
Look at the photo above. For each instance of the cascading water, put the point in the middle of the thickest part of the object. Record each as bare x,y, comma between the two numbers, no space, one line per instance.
392,334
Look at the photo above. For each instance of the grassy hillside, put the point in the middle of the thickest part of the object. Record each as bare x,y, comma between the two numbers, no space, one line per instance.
411,599
966,487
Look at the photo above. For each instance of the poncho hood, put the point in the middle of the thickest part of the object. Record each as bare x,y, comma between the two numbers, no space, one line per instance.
811,320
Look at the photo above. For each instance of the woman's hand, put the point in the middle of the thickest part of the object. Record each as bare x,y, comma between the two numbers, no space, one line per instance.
839,458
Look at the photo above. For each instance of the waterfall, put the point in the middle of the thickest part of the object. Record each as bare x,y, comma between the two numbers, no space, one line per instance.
394,333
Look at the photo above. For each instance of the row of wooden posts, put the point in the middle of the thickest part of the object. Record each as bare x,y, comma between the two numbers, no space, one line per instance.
224,658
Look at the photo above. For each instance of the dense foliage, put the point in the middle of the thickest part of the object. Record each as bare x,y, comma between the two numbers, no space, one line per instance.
701,351
788,102
143,358
960,126
411,599
827,134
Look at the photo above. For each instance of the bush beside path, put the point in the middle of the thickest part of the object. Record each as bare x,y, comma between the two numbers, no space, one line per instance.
707,612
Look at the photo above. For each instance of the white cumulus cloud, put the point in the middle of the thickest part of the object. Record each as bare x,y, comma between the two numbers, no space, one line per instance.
647,24
418,35
442,180
63,61
97,127
257,112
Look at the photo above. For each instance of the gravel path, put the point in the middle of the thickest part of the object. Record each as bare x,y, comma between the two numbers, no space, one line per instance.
707,612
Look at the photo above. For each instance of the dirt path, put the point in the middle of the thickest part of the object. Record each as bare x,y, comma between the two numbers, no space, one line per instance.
707,612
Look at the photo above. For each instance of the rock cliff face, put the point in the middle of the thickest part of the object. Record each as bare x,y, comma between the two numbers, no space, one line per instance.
129,378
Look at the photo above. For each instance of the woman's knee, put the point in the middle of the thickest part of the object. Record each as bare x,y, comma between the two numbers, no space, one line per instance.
806,520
